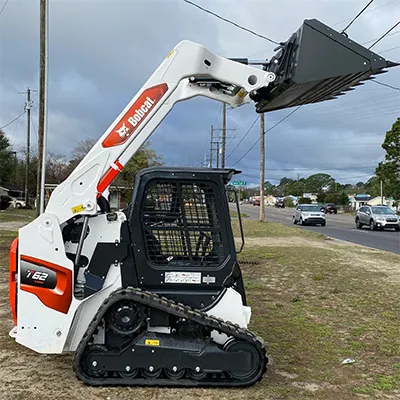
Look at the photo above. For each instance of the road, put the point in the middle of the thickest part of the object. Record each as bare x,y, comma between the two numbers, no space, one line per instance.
339,226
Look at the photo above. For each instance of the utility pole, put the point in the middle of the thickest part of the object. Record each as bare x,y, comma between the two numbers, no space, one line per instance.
42,128
262,167
28,143
211,145
381,192
223,135
218,138
217,154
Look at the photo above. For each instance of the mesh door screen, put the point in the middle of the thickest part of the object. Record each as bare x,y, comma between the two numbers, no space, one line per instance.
181,225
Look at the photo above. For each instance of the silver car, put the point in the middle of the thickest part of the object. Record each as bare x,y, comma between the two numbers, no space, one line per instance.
377,217
309,214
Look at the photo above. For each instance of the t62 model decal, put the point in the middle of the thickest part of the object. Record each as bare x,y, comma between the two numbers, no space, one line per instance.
51,283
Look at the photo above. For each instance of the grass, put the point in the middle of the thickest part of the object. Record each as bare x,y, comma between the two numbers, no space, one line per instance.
314,303
314,308
16,214
234,214
254,229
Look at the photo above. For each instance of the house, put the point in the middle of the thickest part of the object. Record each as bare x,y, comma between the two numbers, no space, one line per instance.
358,200
376,201
312,197
118,196
11,190
270,200
291,197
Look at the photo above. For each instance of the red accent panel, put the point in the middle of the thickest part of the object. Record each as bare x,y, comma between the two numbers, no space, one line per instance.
108,178
136,114
60,297
13,279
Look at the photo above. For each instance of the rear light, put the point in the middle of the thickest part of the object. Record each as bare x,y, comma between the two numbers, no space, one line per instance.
13,278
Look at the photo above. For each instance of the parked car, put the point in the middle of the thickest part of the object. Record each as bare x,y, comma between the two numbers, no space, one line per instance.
330,208
377,217
309,214
5,202
256,202
17,203
280,204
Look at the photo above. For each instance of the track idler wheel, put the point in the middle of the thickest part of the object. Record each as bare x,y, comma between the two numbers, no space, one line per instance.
91,365
125,317
239,345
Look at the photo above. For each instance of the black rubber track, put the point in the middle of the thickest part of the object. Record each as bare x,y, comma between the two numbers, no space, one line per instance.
179,310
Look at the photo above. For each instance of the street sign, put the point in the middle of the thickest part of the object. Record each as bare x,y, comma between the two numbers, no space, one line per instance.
239,183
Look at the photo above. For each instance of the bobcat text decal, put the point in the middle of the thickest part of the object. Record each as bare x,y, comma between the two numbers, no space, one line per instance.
136,114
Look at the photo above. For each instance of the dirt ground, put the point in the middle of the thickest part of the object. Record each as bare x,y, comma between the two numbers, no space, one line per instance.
314,301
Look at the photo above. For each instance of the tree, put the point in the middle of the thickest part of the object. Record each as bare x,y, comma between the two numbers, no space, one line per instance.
7,160
288,202
343,199
57,168
318,182
304,200
389,170
143,158
372,186
269,188
321,196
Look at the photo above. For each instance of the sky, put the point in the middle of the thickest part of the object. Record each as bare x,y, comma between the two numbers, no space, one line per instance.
101,52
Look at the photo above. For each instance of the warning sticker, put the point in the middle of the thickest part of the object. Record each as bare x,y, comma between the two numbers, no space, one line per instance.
183,277
152,342
77,209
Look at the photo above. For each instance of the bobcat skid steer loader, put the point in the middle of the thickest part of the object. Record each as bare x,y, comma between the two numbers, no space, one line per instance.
154,295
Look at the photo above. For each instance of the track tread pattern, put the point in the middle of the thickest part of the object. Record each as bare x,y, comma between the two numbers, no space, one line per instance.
179,310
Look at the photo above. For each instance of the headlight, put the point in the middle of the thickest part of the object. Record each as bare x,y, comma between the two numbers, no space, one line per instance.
306,214
380,219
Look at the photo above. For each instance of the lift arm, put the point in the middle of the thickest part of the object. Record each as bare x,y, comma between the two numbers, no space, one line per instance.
315,64
189,70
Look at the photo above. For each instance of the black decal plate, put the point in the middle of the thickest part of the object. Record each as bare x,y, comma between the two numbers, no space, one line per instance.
35,275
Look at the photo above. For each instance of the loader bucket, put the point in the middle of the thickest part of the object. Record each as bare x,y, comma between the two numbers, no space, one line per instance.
317,64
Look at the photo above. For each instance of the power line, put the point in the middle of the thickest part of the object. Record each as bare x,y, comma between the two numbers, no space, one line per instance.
15,119
391,49
35,130
385,84
354,19
385,34
366,12
248,131
4,6
391,34
268,130
230,22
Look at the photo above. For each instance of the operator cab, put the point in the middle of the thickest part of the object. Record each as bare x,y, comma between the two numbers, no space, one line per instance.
181,235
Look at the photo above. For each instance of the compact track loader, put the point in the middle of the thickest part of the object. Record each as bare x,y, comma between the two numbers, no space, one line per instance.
154,295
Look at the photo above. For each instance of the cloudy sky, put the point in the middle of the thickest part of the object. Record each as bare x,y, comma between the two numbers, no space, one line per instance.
102,51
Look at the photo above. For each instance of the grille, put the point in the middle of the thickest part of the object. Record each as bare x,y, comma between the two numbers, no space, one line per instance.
181,225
